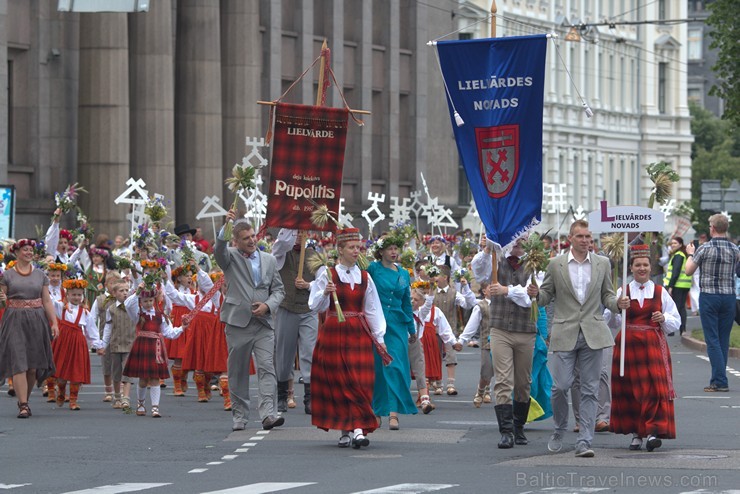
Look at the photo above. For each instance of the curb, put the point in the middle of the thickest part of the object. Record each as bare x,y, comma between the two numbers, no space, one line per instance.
700,346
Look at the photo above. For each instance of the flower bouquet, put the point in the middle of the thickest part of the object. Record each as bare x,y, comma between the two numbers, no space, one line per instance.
155,209
461,273
84,230
242,179
67,200
535,259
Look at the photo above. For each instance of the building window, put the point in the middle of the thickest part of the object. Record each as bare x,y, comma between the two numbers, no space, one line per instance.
695,43
662,10
464,196
662,82
465,36
695,96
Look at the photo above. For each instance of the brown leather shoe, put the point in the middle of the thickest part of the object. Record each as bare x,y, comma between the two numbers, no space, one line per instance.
602,426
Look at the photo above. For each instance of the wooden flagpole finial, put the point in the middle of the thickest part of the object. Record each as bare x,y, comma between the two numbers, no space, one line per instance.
494,9
323,65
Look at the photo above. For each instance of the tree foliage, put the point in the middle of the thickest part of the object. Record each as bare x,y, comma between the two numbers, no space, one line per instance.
715,156
726,40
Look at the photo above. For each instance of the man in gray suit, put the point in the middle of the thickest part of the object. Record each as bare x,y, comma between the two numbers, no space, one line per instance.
579,283
255,291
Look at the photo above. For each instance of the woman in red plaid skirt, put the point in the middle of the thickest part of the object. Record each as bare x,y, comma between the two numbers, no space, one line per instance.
343,373
148,357
642,399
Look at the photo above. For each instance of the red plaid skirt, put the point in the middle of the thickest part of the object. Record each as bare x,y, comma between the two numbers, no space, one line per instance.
142,360
71,356
342,377
432,355
640,398
206,347
176,347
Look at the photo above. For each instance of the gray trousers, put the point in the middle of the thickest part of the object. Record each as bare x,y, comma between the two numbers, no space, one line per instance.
294,330
486,365
605,389
242,342
564,364
418,364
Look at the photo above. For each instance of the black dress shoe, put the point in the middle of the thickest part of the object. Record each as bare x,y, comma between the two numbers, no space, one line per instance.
271,422
653,443
360,440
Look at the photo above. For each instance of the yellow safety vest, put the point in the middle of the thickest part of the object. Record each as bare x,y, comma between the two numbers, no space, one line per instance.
684,280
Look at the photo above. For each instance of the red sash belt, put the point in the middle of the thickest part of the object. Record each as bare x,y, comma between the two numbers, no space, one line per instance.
382,352
160,351
24,304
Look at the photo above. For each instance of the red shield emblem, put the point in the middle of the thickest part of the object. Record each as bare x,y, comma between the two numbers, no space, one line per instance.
498,152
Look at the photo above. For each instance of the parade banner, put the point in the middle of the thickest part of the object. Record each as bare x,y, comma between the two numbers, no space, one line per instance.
307,164
496,87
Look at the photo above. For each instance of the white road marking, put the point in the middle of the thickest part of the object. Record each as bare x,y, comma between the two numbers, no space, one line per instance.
247,445
228,457
706,397
241,450
257,438
116,489
198,470
215,463
12,486
261,488
263,432
408,489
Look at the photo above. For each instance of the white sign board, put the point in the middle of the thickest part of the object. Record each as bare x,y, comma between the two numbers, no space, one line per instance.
625,219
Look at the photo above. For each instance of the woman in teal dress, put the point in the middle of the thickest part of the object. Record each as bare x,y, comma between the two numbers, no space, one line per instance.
391,394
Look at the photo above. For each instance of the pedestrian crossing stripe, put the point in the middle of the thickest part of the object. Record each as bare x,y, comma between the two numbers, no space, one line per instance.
408,489
256,488
261,488
117,489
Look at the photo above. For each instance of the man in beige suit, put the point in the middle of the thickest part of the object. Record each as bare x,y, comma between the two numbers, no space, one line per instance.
580,285
255,291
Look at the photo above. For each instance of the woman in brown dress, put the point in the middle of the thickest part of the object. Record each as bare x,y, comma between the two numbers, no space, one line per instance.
27,326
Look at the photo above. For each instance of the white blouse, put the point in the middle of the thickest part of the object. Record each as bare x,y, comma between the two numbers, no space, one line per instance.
134,311
320,302
672,318
440,322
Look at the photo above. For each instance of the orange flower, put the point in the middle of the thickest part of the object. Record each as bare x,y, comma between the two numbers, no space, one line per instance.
74,283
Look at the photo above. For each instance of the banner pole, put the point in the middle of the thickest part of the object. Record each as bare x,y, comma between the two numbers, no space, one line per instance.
493,18
624,312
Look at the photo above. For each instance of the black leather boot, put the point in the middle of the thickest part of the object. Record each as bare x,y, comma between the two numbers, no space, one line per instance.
282,396
505,417
521,410
307,398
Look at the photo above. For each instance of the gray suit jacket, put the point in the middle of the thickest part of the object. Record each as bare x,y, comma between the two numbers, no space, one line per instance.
242,292
570,316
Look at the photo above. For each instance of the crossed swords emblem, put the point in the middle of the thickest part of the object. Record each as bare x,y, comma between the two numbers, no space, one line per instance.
496,165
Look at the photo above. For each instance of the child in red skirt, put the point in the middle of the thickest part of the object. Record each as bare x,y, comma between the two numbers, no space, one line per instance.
148,357
205,351
182,276
71,357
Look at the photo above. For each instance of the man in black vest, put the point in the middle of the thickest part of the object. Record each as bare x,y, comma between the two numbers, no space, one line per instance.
296,325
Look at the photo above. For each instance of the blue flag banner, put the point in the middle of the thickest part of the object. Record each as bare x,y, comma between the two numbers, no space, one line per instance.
496,85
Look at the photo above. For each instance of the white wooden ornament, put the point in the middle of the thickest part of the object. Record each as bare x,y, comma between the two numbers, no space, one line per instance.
554,198
212,209
727,215
579,213
668,207
445,219
344,218
136,195
255,154
255,203
373,210
400,211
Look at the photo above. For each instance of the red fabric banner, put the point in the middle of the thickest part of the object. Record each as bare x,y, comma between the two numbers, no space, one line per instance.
307,163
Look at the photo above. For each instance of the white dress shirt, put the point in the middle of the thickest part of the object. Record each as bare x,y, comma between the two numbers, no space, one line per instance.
580,275
320,302
440,322
471,328
134,310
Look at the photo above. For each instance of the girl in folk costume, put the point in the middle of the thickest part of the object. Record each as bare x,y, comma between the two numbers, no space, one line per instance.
148,357
343,373
182,276
480,322
431,323
205,352
55,272
76,328
95,274
642,399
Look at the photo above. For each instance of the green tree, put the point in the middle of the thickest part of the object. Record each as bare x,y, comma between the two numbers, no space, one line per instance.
715,156
726,40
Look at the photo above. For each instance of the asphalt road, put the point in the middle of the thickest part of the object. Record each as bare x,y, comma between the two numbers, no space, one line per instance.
192,449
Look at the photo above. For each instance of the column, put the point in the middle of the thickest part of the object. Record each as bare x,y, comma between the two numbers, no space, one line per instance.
198,104
151,77
104,118
3,93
